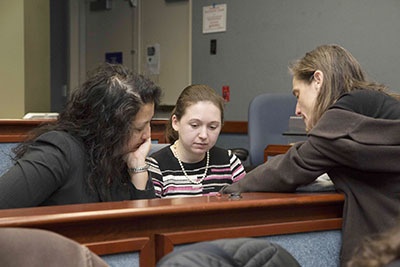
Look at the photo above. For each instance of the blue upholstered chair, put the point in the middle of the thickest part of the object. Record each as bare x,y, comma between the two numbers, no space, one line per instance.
268,119
5,156
156,147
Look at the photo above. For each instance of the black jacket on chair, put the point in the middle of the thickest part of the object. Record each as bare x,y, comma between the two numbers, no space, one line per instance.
233,252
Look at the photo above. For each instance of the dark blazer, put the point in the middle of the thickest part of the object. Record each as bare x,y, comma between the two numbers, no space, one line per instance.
234,252
54,171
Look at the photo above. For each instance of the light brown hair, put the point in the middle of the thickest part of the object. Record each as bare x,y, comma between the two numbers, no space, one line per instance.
342,73
190,96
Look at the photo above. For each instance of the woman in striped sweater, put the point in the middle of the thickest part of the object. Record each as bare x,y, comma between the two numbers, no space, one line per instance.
192,165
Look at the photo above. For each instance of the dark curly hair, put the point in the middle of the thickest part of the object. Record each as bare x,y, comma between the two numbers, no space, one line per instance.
100,115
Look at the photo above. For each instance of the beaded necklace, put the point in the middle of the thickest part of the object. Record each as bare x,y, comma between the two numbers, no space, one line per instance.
198,181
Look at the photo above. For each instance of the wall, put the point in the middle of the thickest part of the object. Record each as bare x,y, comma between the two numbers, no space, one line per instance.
24,68
263,37
59,62
37,55
76,45
12,81
109,31
168,23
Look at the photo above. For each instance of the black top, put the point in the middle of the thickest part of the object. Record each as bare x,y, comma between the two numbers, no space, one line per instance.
370,103
171,181
54,171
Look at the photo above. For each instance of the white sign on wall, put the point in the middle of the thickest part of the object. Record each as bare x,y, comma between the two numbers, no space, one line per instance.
214,18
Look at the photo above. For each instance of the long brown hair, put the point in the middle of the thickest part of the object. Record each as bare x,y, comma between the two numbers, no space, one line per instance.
189,96
342,73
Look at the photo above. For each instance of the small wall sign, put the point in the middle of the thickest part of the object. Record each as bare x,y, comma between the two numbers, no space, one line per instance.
214,18
114,58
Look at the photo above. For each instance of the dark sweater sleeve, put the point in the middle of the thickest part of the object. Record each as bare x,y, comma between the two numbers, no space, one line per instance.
341,139
283,173
39,173
142,194
127,191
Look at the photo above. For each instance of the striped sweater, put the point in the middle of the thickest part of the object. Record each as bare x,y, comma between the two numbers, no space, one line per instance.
170,181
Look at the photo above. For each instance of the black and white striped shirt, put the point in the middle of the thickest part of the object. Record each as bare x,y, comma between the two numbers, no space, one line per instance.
170,181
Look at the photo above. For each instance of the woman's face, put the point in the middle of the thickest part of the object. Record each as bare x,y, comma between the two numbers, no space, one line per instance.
306,94
141,126
198,129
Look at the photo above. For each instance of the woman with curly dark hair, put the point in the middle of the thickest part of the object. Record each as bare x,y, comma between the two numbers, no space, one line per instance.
94,152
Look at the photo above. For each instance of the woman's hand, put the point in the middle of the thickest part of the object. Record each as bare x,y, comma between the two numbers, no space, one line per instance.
137,159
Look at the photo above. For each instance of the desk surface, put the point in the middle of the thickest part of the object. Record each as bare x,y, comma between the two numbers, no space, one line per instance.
169,206
154,226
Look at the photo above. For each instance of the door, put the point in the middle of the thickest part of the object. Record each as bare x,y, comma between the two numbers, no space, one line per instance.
110,32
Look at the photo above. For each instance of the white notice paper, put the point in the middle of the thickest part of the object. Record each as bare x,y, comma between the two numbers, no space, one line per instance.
214,18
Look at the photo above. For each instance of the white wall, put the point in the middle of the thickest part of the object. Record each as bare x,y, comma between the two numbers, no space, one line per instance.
12,71
37,56
25,57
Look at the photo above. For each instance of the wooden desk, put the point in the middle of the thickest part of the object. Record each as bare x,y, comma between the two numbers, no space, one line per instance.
154,226
12,131
16,130
273,150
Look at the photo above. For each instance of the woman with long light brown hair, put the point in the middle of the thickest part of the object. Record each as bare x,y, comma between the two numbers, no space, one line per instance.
353,128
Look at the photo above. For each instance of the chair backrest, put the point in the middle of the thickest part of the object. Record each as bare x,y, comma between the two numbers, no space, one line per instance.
5,156
155,147
268,119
